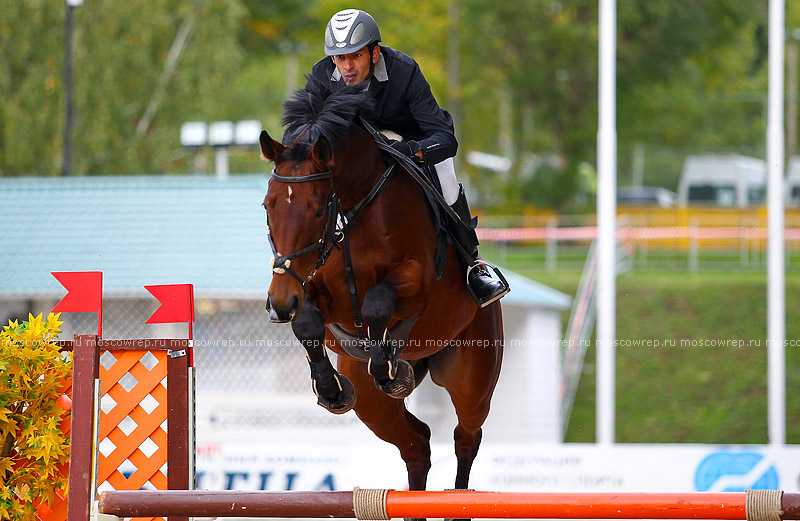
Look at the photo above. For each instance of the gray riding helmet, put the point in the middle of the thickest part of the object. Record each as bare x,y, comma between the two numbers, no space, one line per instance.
350,30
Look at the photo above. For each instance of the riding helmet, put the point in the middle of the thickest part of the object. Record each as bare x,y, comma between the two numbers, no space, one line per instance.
350,30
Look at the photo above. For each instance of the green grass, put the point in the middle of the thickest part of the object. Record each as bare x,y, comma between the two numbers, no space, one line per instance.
683,391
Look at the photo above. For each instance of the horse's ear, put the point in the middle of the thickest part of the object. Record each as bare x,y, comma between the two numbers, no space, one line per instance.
270,149
322,151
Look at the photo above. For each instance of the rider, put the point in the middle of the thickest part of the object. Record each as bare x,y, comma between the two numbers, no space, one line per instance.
405,106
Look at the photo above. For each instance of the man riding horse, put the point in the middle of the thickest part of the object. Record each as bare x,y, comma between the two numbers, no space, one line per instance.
421,129
358,249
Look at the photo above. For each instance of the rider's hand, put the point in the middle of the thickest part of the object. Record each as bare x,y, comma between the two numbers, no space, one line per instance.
410,149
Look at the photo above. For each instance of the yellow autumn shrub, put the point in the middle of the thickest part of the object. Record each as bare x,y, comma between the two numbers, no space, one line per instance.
32,375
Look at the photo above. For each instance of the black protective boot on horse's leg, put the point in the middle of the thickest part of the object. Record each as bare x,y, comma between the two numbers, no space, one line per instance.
484,288
334,391
393,375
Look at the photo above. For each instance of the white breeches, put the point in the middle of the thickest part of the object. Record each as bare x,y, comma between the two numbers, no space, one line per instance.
446,171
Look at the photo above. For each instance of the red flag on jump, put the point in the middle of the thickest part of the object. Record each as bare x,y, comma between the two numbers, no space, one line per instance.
84,294
84,291
177,303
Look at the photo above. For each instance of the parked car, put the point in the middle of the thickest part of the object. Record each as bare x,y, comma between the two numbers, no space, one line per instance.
646,195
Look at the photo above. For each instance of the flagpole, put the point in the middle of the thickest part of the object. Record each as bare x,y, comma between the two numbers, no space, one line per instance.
177,305
191,334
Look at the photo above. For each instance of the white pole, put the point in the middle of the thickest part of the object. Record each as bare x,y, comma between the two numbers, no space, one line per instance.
606,222
776,289
221,162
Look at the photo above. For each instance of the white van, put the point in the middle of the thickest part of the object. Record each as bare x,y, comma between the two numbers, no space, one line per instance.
723,180
792,186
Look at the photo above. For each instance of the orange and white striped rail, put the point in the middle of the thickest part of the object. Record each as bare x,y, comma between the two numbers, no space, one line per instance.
576,233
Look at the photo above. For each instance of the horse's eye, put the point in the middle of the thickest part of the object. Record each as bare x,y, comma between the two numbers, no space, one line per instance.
319,213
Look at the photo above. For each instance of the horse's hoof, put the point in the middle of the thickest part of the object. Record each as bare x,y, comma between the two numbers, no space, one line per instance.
345,399
403,382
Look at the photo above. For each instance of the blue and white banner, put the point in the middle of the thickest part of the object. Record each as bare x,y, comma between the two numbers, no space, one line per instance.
507,467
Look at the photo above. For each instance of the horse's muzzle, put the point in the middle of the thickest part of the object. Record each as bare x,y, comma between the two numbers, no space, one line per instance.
280,314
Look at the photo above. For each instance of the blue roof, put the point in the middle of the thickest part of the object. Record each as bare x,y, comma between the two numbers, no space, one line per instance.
529,293
153,230
136,229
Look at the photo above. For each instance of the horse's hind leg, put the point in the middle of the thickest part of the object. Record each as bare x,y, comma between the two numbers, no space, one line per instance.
334,391
391,422
468,370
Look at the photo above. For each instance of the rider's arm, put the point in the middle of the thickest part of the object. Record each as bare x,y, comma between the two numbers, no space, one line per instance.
440,142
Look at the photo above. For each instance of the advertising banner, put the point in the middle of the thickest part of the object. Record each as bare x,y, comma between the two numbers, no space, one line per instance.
502,467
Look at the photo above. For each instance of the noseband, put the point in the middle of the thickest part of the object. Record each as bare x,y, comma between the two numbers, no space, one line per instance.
330,235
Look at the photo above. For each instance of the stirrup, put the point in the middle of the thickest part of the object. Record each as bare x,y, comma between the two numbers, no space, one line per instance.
500,277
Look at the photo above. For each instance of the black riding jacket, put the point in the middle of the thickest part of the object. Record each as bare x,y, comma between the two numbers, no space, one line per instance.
403,103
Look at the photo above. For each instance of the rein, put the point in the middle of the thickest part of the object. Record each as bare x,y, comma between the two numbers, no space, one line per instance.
332,234
413,170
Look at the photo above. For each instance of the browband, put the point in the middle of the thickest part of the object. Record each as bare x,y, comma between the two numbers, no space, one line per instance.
301,178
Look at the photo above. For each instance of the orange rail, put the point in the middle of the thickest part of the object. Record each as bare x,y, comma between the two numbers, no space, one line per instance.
383,504
467,504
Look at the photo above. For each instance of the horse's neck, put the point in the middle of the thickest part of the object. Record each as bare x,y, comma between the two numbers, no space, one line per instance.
362,167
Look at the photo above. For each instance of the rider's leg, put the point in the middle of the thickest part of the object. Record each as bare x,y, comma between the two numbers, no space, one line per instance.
484,288
446,171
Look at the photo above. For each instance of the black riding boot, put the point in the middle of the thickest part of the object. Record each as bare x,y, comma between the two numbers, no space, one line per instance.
483,287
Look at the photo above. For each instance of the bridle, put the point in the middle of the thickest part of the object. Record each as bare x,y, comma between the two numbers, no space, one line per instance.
338,223
330,234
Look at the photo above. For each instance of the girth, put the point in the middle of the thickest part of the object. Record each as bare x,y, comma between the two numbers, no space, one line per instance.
358,347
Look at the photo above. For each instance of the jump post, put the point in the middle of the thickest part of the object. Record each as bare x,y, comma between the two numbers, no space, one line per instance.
753,505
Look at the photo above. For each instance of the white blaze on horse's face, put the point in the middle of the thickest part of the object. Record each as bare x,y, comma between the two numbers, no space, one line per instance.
289,198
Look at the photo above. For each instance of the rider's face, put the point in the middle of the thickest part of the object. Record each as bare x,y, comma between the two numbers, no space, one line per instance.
354,67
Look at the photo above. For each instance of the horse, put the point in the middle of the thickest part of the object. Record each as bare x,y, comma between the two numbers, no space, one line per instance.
353,237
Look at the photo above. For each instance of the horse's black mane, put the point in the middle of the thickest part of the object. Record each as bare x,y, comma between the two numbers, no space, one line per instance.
314,112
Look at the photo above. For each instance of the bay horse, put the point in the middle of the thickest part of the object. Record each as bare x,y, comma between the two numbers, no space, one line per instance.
354,271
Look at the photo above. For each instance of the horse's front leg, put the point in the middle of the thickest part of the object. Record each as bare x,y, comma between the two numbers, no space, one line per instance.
334,391
393,375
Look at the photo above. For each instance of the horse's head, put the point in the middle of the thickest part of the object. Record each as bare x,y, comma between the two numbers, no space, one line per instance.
302,207
302,218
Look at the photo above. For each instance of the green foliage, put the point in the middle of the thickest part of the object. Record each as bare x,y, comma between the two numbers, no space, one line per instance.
278,26
686,72
691,78
32,375
120,57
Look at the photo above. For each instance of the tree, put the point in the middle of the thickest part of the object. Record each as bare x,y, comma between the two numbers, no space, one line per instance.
120,54
547,50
